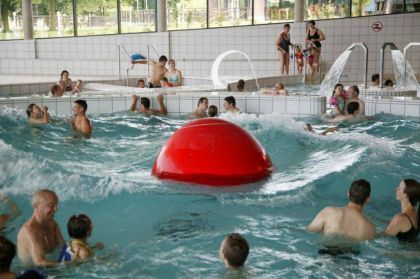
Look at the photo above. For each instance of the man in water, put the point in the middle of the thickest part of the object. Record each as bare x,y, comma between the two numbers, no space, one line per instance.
200,111
353,96
80,122
351,109
40,235
36,115
230,105
234,251
145,105
347,221
158,70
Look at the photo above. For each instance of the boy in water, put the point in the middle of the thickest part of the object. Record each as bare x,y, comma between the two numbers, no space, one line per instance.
234,250
212,111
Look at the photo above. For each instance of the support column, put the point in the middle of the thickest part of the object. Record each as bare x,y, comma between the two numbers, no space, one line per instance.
28,29
161,15
299,10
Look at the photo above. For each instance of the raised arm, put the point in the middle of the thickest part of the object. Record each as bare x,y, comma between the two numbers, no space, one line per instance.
162,106
317,225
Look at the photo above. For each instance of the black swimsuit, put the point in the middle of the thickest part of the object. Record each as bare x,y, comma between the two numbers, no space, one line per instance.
314,36
410,235
285,43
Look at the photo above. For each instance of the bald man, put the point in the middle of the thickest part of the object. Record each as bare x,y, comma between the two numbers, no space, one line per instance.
40,235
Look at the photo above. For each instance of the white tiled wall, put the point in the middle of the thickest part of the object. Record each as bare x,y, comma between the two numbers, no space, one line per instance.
402,106
195,50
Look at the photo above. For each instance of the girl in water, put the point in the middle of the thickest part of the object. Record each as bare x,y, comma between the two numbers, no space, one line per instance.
337,99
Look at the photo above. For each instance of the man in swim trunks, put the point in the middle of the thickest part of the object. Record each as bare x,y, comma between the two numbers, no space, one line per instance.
158,70
80,122
347,221
200,111
353,96
40,235
36,115
145,105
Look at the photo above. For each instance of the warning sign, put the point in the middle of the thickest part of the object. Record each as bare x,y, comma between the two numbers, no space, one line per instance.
377,26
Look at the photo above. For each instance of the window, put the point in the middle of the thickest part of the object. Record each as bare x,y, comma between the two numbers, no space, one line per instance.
326,9
52,18
230,12
11,20
270,11
186,14
138,16
96,17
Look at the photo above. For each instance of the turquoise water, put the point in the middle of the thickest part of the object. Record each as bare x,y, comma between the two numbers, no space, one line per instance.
161,229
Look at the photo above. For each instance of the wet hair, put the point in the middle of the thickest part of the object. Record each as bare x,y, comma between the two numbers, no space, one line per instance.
388,82
202,100
359,191
355,89
29,109
231,100
235,250
352,107
412,189
335,87
55,89
241,84
145,102
311,22
78,226
82,103
213,111
375,77
286,25
7,253
63,72
163,58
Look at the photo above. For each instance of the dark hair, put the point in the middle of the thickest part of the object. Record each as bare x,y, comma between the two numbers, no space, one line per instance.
412,189
55,89
29,109
82,103
78,226
235,250
213,111
140,80
352,107
359,191
163,58
201,100
230,100
311,22
165,79
335,87
375,77
7,253
388,82
356,89
241,84
145,102
286,25
63,72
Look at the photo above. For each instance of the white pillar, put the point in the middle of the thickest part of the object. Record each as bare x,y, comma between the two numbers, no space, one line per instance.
161,15
28,29
299,10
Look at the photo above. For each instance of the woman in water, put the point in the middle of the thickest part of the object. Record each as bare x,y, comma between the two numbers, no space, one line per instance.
282,44
174,75
405,225
65,81
315,36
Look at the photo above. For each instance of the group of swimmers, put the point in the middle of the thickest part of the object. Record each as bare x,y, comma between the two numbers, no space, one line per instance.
346,104
65,86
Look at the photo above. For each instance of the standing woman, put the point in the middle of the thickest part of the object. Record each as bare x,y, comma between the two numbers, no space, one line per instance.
405,225
282,44
315,36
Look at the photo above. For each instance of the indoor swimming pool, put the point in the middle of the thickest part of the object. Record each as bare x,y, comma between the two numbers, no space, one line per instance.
163,229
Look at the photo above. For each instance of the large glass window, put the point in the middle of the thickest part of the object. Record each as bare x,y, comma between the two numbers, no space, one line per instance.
52,18
325,9
11,25
230,12
186,14
138,16
96,17
271,11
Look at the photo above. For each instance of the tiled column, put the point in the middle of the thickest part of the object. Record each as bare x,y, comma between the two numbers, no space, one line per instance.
299,10
161,15
28,30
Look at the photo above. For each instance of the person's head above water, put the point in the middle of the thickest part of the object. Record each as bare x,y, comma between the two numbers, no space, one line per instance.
79,226
203,103
411,189
140,83
234,250
230,100
352,107
359,192
353,91
212,111
145,102
388,83
375,79
57,90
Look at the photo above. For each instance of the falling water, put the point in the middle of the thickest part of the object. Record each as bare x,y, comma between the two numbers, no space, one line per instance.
219,59
400,74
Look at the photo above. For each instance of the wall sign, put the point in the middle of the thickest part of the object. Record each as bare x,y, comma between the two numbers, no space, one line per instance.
377,26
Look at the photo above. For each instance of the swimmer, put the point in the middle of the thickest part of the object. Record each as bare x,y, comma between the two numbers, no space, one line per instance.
309,128
36,115
230,105
158,70
80,122
79,228
201,109
145,105
40,235
140,83
14,211
337,99
353,96
213,111
405,225
278,89
351,111
78,87
234,250
65,81
56,91
347,221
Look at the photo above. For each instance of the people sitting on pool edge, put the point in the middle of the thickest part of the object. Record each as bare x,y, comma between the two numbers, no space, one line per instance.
201,110
65,81
158,70
230,105
80,121
36,115
14,211
213,111
234,251
145,105
79,229
405,225
347,221
278,89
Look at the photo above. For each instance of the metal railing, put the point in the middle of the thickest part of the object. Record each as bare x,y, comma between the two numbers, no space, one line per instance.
405,59
382,58
364,47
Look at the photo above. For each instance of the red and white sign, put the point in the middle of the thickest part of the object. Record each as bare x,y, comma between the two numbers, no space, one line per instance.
377,26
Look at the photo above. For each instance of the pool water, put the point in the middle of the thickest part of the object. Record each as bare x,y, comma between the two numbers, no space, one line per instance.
163,229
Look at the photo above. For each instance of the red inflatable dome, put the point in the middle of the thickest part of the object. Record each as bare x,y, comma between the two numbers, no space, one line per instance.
213,152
